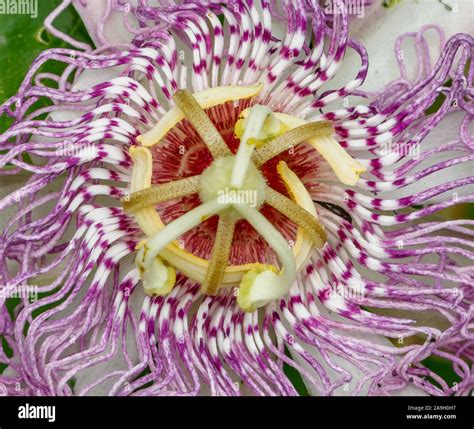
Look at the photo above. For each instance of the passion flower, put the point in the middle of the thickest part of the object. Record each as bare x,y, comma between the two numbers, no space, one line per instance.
194,226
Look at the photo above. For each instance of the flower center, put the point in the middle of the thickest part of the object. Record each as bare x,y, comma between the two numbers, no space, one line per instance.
216,183
232,189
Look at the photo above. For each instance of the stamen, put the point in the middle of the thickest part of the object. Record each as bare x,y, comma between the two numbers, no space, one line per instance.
220,255
159,277
253,132
147,218
303,246
159,193
142,168
204,126
297,215
206,99
174,230
346,168
291,139
259,287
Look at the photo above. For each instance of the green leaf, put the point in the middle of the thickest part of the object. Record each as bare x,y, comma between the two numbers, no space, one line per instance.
23,38
7,350
443,368
295,377
389,3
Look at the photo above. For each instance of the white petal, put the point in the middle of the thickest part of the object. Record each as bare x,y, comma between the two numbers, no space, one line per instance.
114,31
380,27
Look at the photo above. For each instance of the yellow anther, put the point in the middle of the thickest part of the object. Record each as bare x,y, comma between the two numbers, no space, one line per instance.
206,99
220,255
159,193
201,122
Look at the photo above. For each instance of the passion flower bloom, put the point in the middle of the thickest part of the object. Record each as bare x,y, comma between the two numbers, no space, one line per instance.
209,213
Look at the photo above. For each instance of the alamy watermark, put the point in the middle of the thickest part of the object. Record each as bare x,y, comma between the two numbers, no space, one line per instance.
352,7
354,292
37,412
405,150
19,7
23,291
237,196
81,151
